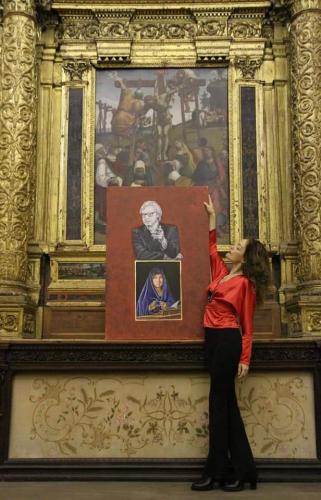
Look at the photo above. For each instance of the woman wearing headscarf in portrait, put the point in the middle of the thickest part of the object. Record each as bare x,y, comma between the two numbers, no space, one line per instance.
155,295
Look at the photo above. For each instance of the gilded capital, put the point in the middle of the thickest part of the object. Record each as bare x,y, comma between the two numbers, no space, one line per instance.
298,6
19,6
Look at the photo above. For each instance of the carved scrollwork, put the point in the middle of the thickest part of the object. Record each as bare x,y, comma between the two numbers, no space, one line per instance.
75,69
314,321
9,323
155,30
155,27
91,30
248,66
17,139
215,27
245,29
306,108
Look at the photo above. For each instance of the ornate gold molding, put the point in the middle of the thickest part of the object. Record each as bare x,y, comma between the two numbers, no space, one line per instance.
182,24
306,109
248,66
129,36
245,29
298,6
314,321
75,68
19,6
17,161
215,27
9,323
17,139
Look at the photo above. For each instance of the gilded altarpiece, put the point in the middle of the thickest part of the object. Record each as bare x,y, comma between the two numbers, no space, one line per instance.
62,47
77,47
52,256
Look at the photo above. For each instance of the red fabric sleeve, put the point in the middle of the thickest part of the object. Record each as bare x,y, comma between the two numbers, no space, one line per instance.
218,268
246,320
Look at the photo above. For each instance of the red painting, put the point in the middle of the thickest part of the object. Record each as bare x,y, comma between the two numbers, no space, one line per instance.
157,263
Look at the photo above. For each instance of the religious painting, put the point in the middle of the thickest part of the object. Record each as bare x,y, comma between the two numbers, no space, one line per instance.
157,263
158,290
162,127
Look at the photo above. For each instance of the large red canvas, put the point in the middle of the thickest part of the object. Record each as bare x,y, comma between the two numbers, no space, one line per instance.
182,207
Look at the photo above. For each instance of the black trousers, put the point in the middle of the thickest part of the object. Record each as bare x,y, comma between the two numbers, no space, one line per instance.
228,443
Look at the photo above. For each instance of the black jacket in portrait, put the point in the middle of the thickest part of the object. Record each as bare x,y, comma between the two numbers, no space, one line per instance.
146,248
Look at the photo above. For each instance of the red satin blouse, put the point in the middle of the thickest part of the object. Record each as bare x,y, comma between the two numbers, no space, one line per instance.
231,303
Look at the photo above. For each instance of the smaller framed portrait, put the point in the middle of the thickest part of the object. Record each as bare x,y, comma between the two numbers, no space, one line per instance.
158,290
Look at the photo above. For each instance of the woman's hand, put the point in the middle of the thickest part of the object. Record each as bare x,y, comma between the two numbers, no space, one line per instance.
209,206
152,306
242,370
211,213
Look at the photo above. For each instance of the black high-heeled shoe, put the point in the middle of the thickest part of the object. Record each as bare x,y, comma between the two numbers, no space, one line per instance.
206,483
238,485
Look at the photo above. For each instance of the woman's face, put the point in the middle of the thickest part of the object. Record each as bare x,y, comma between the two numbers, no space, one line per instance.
158,280
236,252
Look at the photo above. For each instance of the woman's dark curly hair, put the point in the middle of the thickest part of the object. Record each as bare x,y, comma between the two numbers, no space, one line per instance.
256,267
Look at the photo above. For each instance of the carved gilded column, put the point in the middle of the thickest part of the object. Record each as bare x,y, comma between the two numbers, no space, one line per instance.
305,38
17,160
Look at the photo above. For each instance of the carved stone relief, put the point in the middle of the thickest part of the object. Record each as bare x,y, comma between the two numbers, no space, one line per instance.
314,321
306,106
75,69
169,26
248,66
245,29
9,323
17,138
215,27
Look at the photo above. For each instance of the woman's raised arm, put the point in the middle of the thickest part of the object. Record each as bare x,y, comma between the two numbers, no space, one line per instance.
211,213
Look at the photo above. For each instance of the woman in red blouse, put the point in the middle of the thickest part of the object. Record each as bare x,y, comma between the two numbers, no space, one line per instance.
228,323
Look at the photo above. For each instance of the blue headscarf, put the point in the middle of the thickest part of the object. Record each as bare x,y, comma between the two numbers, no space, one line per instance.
149,294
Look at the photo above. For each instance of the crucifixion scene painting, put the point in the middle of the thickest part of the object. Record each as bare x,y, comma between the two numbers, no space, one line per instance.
162,127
